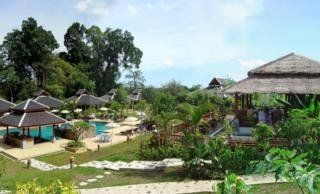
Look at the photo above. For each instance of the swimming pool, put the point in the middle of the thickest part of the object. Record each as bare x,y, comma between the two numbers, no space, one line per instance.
46,131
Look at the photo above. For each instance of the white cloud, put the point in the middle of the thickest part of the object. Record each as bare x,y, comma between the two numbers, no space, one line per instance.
94,7
168,62
252,63
132,9
238,12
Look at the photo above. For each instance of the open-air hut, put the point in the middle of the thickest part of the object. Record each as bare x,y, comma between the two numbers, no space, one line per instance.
293,75
45,98
28,114
84,99
110,96
5,106
136,95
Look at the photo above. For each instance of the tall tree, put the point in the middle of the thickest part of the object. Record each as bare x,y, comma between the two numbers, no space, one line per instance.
109,51
75,43
28,49
136,79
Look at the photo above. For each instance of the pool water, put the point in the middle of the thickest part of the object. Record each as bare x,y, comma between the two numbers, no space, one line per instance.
46,131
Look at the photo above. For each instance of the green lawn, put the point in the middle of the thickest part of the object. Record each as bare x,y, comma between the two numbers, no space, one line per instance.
126,151
18,173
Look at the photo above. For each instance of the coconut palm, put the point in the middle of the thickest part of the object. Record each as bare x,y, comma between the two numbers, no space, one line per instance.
192,116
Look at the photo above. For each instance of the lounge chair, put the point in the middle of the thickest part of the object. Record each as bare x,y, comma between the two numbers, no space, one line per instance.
105,138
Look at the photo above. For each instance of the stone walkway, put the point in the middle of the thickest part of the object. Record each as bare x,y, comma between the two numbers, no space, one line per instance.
45,166
175,187
134,165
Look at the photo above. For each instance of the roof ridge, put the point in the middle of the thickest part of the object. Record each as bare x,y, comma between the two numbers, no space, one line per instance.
271,62
22,118
41,104
26,105
7,101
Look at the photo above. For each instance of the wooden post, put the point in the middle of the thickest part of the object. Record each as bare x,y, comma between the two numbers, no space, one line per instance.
242,101
7,130
39,135
53,134
71,160
28,163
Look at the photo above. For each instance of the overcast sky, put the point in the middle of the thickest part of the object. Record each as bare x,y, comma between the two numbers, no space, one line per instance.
187,40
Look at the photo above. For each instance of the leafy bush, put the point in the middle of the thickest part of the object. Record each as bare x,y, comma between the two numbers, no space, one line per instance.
262,133
287,164
231,184
76,144
211,158
56,187
162,152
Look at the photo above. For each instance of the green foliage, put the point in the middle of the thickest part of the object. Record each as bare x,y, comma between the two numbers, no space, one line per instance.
174,87
262,133
149,94
192,115
197,98
56,187
287,164
142,105
297,125
162,152
64,79
136,79
122,96
27,49
163,120
74,41
111,50
232,184
164,102
78,129
211,158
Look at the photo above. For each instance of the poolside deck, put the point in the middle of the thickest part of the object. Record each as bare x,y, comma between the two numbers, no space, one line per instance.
49,147
37,150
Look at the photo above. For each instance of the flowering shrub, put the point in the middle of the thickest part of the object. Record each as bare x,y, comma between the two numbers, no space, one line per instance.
56,187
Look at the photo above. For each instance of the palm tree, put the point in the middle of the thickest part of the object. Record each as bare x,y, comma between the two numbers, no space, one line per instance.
192,116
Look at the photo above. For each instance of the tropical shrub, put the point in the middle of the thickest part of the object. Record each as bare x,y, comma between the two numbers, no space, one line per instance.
231,184
288,165
164,102
162,152
56,187
262,133
78,130
211,158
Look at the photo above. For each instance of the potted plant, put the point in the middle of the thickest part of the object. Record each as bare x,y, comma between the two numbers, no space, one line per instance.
78,131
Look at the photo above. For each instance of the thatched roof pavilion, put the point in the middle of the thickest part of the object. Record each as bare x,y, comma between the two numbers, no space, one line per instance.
30,113
5,106
83,98
290,74
45,98
110,96
136,95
